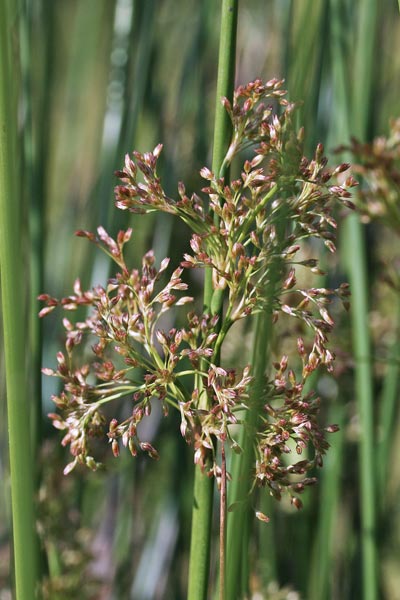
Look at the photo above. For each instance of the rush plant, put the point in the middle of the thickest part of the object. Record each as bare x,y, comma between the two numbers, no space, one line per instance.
250,234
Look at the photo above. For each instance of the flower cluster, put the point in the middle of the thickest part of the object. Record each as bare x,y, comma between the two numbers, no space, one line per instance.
289,423
250,233
378,163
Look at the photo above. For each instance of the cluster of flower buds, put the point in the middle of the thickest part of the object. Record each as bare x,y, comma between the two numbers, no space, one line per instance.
378,163
290,422
250,232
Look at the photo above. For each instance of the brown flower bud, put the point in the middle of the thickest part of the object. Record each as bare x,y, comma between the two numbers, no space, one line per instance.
115,448
296,502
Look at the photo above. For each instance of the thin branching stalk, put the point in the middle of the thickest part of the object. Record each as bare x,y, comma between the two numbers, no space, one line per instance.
12,281
203,486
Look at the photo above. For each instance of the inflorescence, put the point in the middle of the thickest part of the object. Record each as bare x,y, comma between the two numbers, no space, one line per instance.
250,232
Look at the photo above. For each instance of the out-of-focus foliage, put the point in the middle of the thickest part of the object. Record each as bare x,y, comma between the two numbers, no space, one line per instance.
97,79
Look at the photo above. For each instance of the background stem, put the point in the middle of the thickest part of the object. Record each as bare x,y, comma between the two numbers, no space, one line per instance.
13,280
352,118
357,270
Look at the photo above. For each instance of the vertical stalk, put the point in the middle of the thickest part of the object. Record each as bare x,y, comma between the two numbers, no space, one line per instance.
304,59
320,569
388,402
11,263
222,525
357,269
203,486
225,80
319,573
356,261
31,168
354,120
240,520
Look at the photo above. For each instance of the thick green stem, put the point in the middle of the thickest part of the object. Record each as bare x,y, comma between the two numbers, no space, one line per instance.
201,536
12,279
203,486
225,86
225,81
240,520
34,190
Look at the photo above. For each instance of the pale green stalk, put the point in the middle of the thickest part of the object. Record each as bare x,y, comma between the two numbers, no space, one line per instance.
351,117
203,486
356,265
320,569
357,269
319,573
240,519
387,414
34,195
13,292
139,76
304,59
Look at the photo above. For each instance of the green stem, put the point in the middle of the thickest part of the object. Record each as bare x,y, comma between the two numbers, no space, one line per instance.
354,120
241,467
357,265
203,485
320,567
304,58
201,536
225,87
36,211
13,291
319,571
388,402
225,81
222,526
364,390
240,520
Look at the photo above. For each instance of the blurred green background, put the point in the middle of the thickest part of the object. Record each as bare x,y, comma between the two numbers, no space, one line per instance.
98,78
